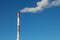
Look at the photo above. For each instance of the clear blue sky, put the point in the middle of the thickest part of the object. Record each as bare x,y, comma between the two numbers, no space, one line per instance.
43,25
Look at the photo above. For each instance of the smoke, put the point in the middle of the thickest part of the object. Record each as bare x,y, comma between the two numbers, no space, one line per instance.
41,5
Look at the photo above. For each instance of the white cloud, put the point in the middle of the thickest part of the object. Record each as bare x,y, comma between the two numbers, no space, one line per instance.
41,5
55,3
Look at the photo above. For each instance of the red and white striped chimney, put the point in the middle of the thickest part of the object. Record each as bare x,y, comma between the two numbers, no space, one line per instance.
18,26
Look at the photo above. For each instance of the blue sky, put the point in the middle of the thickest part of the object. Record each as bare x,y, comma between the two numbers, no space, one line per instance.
43,25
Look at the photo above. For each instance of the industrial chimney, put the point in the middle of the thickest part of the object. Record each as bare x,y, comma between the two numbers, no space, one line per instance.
18,26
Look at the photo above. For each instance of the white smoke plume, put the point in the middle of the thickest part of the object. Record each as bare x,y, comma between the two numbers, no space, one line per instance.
41,5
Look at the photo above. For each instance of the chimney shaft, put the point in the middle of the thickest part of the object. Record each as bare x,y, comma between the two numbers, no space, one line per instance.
18,26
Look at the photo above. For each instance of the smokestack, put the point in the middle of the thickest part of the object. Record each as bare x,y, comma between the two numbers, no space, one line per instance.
18,26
